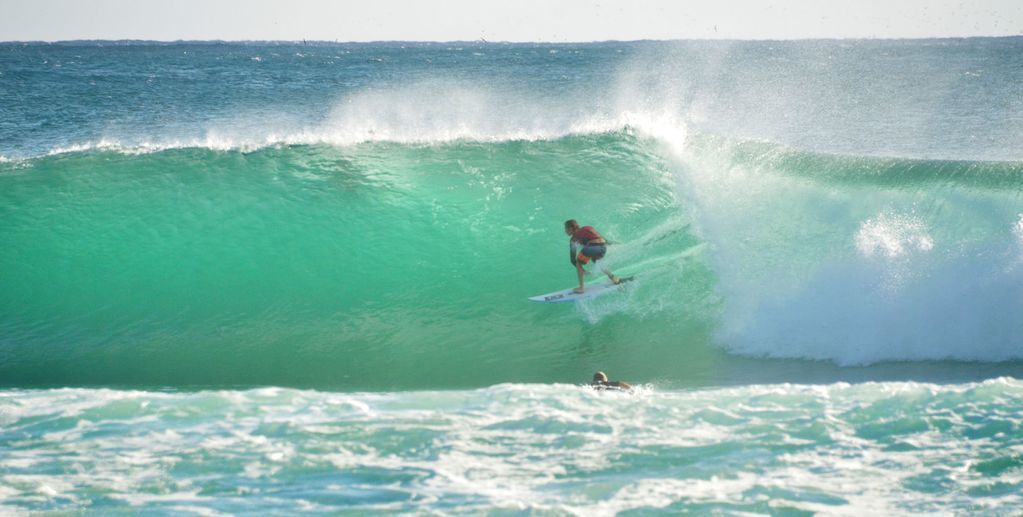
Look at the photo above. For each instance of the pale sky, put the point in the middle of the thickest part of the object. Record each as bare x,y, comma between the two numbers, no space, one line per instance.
521,20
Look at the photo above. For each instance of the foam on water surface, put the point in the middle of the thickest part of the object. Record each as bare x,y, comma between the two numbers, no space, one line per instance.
874,447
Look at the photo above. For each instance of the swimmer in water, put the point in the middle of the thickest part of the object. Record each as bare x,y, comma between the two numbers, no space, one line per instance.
600,382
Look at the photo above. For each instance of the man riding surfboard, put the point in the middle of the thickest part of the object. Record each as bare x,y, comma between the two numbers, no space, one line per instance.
585,245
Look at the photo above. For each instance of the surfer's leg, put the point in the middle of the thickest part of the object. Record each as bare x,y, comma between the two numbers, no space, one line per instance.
614,279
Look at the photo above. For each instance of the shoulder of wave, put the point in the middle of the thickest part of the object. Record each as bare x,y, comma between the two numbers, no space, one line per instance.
841,165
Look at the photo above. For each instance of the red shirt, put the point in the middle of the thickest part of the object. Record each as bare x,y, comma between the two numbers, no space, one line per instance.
585,234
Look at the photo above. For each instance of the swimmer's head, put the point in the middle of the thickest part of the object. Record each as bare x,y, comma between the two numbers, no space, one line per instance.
600,378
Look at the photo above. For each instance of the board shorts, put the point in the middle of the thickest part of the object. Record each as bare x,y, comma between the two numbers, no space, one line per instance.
591,252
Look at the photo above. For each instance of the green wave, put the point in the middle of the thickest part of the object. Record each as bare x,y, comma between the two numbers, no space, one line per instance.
377,266
395,266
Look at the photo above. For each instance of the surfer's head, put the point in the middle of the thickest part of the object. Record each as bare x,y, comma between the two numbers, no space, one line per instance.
600,378
571,226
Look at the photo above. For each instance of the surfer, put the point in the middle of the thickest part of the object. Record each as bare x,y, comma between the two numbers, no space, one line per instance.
585,244
600,382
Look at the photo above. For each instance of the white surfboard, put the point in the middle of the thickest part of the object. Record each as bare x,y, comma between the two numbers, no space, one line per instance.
592,291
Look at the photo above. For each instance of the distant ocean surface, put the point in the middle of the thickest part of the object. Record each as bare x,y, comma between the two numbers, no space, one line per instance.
280,277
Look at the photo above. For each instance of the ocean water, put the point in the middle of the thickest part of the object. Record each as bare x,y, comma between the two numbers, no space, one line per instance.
279,277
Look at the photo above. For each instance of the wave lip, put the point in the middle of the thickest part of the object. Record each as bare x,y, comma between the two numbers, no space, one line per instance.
342,136
428,111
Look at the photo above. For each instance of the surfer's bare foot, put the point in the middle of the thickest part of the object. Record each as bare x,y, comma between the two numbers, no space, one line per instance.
615,280
578,290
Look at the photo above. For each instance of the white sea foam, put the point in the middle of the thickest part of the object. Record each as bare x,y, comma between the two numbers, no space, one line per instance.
874,447
857,311
893,236
1017,231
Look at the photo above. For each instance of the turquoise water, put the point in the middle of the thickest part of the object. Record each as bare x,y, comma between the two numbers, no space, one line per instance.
264,277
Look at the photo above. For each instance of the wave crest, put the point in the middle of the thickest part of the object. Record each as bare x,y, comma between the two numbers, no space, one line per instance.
420,113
